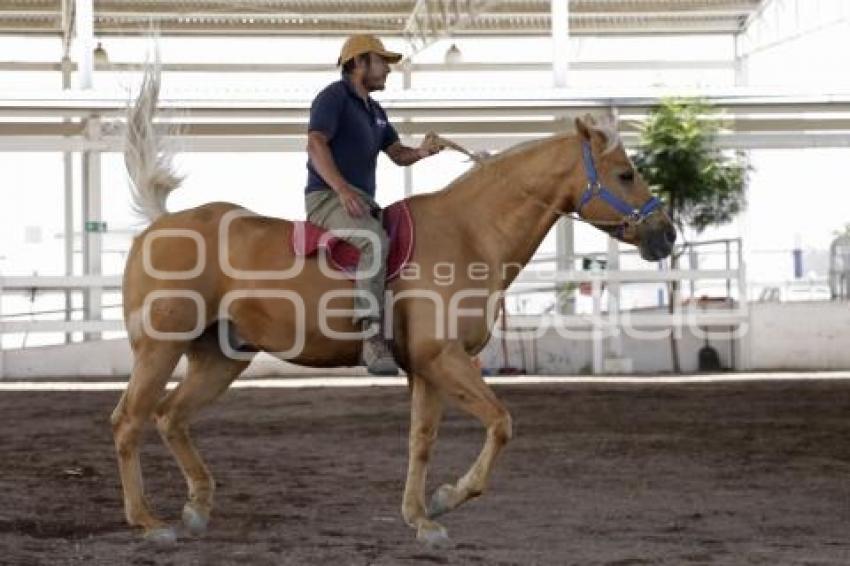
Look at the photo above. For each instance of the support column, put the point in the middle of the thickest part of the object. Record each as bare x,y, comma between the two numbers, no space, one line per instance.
560,41
564,228
741,62
68,167
92,227
84,22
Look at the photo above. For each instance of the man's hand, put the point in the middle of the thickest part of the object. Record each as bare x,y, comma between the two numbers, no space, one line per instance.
352,202
429,146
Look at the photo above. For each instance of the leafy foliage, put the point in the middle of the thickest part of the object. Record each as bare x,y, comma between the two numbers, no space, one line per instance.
701,186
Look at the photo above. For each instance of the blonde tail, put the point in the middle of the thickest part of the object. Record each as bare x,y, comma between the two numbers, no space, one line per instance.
148,164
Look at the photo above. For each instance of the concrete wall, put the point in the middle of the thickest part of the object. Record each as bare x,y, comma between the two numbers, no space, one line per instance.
785,336
800,336
112,358
648,354
780,336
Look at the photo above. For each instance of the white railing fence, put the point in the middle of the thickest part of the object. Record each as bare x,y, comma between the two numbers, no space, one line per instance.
10,285
603,323
600,321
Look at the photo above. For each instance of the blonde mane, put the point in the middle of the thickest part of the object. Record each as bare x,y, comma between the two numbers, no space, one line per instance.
603,124
607,126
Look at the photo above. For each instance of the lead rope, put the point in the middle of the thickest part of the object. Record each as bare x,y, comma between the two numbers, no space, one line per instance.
479,157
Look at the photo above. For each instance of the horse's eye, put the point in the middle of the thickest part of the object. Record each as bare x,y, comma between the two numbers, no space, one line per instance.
627,177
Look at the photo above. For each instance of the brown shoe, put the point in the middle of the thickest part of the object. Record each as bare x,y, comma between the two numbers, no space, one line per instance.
376,355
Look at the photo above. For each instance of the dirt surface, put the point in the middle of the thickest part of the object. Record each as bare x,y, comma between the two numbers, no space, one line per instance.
597,474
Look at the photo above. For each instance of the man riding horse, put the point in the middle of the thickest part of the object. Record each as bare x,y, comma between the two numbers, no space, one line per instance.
347,130
193,275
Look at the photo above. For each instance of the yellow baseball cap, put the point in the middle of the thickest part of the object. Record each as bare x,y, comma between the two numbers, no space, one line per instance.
365,43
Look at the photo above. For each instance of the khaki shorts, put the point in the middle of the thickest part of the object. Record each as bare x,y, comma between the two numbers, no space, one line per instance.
325,209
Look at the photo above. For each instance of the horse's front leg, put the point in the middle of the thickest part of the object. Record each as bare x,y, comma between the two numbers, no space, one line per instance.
454,376
425,413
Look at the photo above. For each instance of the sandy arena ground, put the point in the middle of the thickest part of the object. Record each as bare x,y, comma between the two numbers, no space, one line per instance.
732,473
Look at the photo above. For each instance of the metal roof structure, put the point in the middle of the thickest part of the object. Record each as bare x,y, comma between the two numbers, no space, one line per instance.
404,18
276,126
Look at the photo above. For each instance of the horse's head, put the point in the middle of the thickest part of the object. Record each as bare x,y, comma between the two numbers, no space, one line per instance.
614,197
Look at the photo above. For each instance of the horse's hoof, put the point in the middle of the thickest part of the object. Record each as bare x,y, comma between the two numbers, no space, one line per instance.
194,520
441,501
433,535
161,535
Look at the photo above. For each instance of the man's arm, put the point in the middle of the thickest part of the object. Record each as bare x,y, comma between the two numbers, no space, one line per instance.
323,161
403,155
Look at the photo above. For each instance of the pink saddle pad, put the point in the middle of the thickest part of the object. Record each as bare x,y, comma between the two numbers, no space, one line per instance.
307,238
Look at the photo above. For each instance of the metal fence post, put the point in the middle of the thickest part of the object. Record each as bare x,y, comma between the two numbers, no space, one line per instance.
745,338
597,334
2,369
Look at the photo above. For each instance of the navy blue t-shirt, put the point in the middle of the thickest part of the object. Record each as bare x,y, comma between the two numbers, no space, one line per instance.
356,130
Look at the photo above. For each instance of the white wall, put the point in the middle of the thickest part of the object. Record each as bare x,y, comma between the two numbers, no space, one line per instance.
566,354
113,358
800,336
781,336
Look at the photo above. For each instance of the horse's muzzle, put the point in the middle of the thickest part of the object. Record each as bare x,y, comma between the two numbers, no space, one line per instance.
657,240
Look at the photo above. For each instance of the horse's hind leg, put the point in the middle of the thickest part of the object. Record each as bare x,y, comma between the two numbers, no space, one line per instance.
210,374
152,367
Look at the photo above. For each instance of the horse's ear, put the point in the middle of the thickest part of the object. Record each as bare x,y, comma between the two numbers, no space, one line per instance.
583,127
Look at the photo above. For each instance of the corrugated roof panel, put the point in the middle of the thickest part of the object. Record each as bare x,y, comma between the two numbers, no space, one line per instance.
387,17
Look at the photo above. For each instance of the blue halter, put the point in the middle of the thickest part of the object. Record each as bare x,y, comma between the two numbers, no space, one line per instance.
596,189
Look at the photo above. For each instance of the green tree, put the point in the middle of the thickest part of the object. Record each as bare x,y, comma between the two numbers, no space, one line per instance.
701,185
678,157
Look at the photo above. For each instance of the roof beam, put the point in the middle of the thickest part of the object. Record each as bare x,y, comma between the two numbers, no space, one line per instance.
421,21
587,65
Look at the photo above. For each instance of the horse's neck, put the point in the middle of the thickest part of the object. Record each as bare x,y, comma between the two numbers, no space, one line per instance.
508,205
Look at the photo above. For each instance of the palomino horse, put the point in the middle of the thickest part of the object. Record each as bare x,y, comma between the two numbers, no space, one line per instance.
185,269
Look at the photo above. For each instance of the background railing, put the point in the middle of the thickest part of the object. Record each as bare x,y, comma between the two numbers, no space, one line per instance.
63,284
598,321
